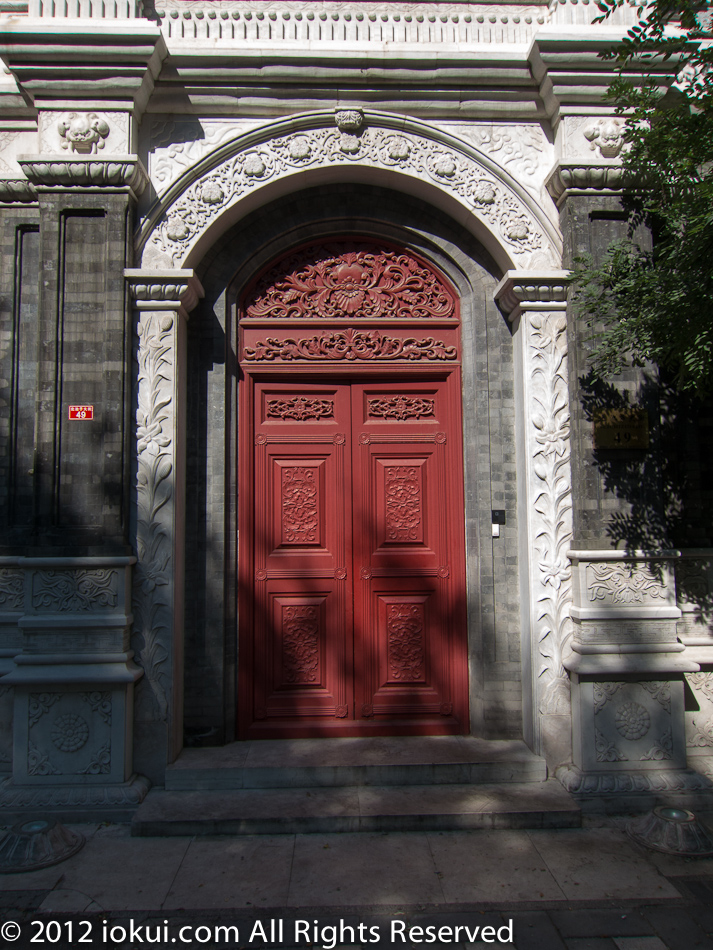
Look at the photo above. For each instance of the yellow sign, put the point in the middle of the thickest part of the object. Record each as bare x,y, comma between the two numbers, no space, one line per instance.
621,428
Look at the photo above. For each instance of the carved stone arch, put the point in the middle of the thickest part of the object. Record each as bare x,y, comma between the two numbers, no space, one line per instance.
405,154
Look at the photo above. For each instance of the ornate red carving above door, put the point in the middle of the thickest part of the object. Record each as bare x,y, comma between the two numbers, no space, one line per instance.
348,279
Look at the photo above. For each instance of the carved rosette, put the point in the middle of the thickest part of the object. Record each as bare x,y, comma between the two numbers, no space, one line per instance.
473,182
162,301
543,349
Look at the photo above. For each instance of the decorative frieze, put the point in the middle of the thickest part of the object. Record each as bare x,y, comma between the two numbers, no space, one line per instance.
17,190
349,345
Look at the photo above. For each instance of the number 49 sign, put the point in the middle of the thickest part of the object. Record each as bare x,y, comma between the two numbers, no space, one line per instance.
81,412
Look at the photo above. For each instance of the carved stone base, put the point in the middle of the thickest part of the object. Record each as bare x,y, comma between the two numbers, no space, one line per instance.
73,802
631,790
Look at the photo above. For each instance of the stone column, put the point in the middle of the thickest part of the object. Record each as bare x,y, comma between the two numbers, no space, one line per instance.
163,300
535,303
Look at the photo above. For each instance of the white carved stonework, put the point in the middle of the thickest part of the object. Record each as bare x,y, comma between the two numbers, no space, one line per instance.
504,210
629,725
69,735
80,590
331,22
162,304
537,302
178,144
14,142
699,716
520,149
625,584
605,136
84,133
12,589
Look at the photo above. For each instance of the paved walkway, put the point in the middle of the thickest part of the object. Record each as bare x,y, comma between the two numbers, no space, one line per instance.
585,889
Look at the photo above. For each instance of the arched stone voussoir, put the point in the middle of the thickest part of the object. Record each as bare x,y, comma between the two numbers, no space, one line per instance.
297,152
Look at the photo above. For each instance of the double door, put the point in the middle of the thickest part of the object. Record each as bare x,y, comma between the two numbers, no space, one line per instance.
352,591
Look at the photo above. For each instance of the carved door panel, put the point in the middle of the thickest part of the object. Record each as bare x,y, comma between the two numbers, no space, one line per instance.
409,603
357,607
302,591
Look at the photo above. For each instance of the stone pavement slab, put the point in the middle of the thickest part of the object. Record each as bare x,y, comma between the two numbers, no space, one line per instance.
596,863
233,872
358,869
492,866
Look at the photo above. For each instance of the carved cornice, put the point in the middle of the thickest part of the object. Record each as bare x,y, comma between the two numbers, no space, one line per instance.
584,179
164,290
532,290
14,190
120,173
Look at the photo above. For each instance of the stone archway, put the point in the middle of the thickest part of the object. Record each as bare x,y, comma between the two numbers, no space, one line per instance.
348,145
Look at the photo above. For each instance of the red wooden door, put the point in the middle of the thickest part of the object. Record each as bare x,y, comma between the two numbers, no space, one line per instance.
356,615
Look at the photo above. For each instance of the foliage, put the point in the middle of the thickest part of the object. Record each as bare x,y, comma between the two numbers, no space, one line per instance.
656,304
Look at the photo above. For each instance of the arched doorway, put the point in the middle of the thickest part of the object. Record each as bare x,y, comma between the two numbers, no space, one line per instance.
351,510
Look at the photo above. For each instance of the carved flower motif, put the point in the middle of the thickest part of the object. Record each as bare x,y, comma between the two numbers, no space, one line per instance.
69,732
551,437
399,150
445,167
555,572
212,193
632,720
300,147
150,437
484,193
518,231
349,144
177,229
254,166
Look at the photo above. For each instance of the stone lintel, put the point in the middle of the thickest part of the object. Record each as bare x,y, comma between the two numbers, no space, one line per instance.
164,289
532,290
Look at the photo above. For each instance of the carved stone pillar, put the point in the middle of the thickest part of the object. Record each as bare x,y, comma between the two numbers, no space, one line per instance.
163,300
535,303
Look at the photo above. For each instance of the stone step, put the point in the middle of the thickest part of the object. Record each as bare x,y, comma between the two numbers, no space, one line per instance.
323,763
359,808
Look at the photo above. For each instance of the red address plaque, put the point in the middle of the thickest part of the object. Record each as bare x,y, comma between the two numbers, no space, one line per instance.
81,412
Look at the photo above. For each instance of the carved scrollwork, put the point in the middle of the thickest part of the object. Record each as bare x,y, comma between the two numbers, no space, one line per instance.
300,509
400,408
299,408
661,750
606,751
74,591
405,637
350,345
603,692
346,280
100,762
300,644
191,213
627,583
12,589
402,500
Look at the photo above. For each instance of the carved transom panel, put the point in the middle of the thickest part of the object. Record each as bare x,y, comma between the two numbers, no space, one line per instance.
347,280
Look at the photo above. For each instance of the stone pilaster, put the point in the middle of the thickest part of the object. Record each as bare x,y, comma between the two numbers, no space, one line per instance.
162,300
535,303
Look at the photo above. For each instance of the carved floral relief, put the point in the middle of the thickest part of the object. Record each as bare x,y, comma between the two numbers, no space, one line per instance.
406,647
359,280
193,211
154,488
552,502
349,345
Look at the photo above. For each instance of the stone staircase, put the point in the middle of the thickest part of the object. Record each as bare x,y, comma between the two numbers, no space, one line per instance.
299,786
